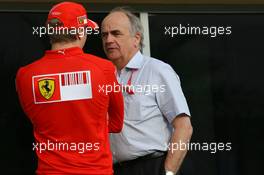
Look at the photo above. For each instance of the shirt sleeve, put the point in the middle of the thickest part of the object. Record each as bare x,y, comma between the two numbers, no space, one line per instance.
170,98
18,87
23,98
116,105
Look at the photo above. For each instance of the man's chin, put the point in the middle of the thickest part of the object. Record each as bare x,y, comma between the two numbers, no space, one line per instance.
112,56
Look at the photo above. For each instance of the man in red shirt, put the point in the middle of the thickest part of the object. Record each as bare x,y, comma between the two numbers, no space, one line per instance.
64,95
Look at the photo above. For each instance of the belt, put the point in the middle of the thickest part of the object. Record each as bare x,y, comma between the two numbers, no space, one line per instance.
153,155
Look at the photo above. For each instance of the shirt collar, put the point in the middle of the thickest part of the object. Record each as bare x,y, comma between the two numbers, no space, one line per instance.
136,61
65,52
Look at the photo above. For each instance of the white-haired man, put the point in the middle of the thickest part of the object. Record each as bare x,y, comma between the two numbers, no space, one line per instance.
156,112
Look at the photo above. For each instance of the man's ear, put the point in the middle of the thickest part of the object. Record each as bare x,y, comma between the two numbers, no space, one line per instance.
137,39
80,33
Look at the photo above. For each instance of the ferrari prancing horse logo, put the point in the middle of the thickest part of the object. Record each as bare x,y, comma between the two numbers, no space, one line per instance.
46,87
60,87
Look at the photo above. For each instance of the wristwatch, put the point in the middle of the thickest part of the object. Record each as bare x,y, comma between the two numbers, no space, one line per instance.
169,172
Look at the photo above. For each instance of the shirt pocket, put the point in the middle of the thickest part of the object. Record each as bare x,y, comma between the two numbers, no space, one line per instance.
138,107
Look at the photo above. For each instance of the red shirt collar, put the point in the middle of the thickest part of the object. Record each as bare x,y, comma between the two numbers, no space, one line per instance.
62,53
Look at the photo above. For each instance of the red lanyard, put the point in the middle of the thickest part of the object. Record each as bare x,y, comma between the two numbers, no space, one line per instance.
129,88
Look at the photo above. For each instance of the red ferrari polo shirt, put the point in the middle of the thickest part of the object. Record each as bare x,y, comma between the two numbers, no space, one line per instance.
64,95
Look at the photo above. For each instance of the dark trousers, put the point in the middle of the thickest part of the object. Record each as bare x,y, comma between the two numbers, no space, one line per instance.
141,166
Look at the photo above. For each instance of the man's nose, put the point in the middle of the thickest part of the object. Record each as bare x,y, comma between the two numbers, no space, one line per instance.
109,38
